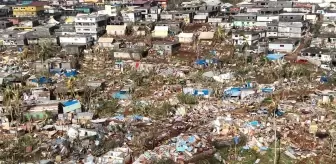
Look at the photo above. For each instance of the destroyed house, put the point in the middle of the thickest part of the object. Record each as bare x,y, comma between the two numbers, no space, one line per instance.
166,48
40,109
326,40
129,53
183,16
14,38
38,37
170,24
317,53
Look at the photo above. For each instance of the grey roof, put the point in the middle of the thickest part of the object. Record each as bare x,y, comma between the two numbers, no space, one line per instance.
315,50
285,41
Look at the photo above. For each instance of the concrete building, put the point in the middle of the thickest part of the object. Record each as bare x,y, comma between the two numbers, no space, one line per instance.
93,25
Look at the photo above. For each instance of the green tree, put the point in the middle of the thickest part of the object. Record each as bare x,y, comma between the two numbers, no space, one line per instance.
107,108
8,96
71,85
46,51
187,99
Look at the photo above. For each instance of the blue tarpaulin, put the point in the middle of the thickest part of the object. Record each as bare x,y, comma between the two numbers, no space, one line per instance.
206,62
254,123
275,56
201,62
42,80
267,90
233,92
137,117
323,79
121,95
236,139
70,102
119,117
71,73
192,139
201,92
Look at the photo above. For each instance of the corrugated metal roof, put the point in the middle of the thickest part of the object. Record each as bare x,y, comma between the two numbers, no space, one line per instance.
206,35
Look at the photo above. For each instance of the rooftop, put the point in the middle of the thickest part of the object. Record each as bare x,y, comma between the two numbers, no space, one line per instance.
245,14
292,14
315,50
284,41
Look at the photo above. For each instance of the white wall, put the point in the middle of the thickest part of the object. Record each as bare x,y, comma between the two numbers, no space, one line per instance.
289,35
253,10
272,34
289,29
291,24
239,39
281,47
75,40
267,18
261,24
326,58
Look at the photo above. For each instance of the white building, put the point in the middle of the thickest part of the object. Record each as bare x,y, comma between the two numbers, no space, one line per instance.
90,24
283,45
131,16
186,37
109,10
76,40
245,37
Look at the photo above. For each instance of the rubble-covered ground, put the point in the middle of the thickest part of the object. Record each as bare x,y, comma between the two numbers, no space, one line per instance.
214,108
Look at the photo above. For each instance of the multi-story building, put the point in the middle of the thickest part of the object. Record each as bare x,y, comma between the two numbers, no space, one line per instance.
292,25
33,9
109,10
245,20
5,11
93,25
131,16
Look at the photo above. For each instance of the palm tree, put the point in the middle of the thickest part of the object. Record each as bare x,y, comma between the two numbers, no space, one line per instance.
17,102
45,51
7,99
71,85
220,34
